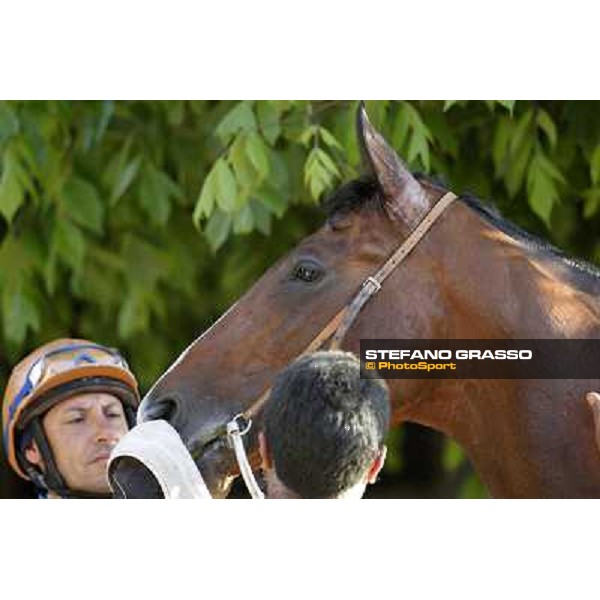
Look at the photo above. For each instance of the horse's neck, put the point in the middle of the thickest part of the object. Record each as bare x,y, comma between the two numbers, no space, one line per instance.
507,290
525,438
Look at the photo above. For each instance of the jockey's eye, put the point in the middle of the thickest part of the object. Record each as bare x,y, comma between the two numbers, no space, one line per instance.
307,271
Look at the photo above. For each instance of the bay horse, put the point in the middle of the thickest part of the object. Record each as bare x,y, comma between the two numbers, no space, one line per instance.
473,275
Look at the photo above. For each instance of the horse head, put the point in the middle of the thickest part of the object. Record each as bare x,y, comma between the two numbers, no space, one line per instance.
229,366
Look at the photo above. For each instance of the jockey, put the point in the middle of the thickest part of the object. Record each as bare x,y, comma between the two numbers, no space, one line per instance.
324,429
65,407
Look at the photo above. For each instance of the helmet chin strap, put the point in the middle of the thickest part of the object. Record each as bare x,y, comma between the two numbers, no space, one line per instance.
51,479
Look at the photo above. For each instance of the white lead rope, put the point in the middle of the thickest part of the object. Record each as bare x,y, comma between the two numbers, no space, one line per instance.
235,436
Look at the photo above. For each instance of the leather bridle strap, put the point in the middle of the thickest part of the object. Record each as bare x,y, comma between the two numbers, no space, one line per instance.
339,325
373,284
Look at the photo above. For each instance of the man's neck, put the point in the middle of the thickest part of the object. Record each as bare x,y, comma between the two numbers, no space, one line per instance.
276,490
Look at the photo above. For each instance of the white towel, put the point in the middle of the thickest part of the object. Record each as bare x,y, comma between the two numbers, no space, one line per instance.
159,448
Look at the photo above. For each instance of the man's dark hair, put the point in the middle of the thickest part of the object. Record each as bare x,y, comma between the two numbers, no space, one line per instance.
324,425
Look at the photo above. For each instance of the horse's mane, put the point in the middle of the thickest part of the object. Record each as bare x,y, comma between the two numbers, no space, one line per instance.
364,193
355,195
584,275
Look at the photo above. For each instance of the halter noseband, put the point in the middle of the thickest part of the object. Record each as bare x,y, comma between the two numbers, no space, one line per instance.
336,329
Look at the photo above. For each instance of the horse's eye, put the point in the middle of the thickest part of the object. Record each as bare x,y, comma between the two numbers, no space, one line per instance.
307,271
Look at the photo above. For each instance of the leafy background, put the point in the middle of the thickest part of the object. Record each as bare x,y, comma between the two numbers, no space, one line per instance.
137,223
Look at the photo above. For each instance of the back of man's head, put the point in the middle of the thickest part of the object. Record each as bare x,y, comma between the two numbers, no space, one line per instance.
324,425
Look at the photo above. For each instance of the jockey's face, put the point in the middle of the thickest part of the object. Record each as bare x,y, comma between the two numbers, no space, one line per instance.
82,431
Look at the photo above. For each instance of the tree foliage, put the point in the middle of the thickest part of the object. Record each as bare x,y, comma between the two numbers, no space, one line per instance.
137,223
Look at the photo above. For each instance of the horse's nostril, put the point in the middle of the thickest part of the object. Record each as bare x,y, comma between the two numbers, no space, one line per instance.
165,409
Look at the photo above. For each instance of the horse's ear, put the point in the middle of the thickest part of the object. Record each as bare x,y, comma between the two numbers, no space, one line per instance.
403,195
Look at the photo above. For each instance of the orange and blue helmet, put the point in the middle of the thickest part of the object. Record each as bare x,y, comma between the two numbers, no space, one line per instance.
49,375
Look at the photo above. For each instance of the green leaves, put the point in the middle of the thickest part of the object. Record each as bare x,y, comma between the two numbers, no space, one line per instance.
220,189
206,200
595,166
19,312
320,173
509,105
412,135
69,244
226,186
12,185
269,114
9,122
315,134
519,156
121,171
245,172
156,190
125,177
546,124
226,196
519,151
134,315
543,180
453,455
591,203
21,266
454,461
521,139
512,148
237,174
82,204
591,196
217,229
239,119
448,104
258,153
243,221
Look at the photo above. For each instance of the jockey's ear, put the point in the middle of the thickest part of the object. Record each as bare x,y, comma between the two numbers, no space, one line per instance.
376,466
265,455
403,196
33,454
